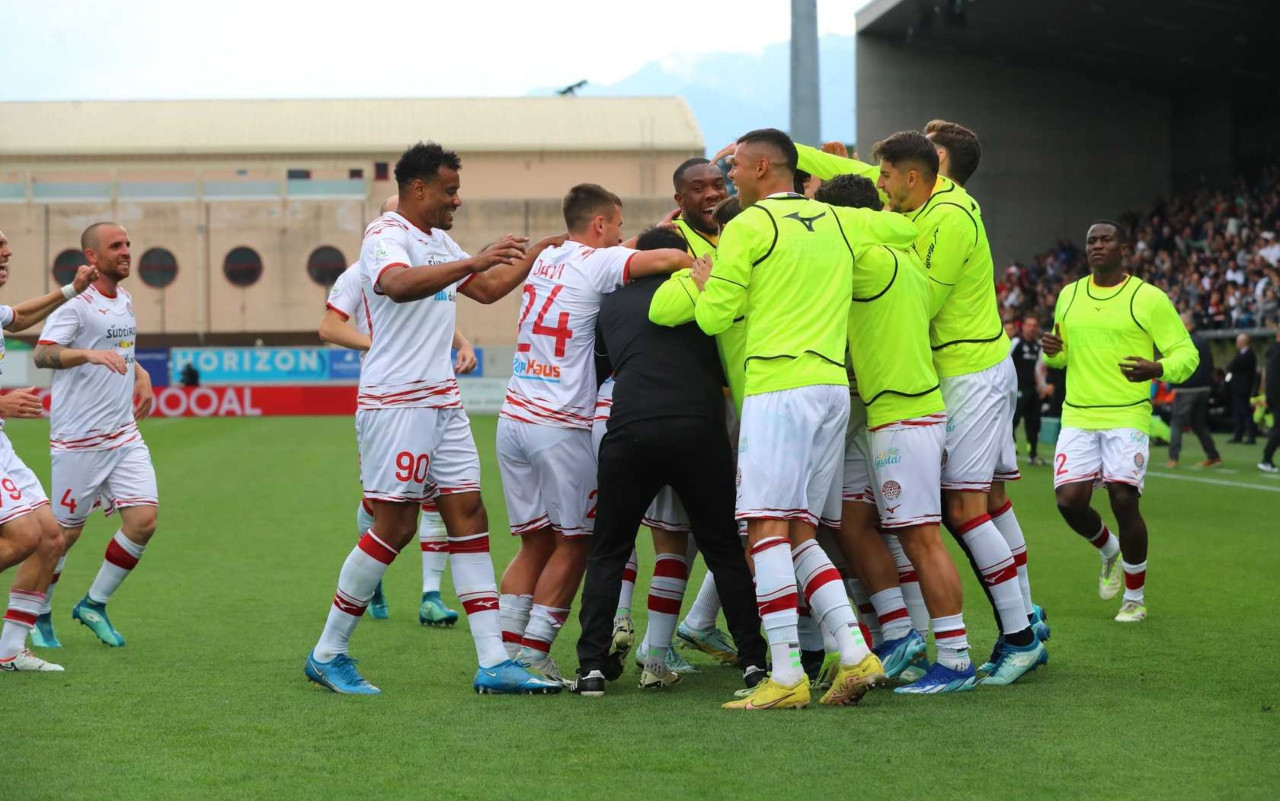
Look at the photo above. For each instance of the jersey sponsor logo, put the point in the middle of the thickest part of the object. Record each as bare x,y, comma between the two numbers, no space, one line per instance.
535,370
885,458
807,222
445,294
120,332
1137,437
890,490
380,250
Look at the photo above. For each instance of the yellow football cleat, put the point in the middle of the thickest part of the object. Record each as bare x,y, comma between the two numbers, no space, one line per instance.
852,682
771,695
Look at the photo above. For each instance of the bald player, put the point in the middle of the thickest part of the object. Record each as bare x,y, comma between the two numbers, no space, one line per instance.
99,394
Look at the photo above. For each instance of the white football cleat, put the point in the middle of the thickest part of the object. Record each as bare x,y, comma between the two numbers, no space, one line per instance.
29,662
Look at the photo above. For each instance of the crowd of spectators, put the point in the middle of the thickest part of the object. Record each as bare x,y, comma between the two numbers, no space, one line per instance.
1215,252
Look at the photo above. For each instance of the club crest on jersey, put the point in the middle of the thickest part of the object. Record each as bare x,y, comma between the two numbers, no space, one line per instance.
886,458
535,370
890,490
1139,460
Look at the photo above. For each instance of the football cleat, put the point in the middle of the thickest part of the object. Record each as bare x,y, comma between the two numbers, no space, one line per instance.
713,642
1131,612
897,655
916,670
1040,622
1109,581
659,679
339,675
433,612
940,679
772,695
1267,467
540,664
26,661
986,667
94,615
853,681
1014,662
588,686
512,678
827,672
42,634
673,660
378,604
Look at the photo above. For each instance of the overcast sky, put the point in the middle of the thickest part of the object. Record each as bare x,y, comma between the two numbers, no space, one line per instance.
147,49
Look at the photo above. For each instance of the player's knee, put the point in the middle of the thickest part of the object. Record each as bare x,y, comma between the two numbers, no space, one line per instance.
141,524
52,542
1070,501
24,536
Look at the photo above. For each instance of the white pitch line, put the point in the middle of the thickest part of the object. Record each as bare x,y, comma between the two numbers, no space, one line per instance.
1219,482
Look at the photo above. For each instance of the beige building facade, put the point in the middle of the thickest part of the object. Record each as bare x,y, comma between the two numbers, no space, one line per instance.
241,213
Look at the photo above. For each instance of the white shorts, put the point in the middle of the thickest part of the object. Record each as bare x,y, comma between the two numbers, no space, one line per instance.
979,425
548,478
1007,460
667,513
790,452
113,479
855,485
409,455
20,490
906,462
1110,456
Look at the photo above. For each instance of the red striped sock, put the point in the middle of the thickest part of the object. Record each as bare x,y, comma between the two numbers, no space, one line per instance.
952,641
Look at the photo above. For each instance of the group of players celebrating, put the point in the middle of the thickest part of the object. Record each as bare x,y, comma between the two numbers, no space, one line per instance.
863,383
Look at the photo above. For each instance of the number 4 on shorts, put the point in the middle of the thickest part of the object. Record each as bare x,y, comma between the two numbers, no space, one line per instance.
68,501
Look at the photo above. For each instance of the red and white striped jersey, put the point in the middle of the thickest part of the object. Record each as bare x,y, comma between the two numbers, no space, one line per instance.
554,374
408,363
91,406
346,299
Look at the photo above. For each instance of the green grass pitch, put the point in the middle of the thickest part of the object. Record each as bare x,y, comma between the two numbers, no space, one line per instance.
208,699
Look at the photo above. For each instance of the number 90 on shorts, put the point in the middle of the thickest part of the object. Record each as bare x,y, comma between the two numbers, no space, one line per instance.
408,454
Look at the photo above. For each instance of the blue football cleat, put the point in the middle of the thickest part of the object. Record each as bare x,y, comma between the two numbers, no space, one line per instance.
340,675
940,679
1040,623
508,678
94,615
42,634
433,612
378,604
1016,661
897,655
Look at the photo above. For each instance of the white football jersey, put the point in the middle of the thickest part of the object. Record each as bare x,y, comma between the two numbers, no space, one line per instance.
409,363
554,373
346,299
92,407
6,317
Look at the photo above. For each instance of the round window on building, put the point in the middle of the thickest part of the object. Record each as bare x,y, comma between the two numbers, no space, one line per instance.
325,265
242,267
66,264
157,268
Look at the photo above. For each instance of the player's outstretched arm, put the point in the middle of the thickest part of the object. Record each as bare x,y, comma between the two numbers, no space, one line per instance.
662,261
497,280
674,302
827,165
335,331
52,356
407,284
29,312
1178,354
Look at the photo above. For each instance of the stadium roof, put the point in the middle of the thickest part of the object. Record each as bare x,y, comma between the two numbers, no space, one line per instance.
222,127
1228,46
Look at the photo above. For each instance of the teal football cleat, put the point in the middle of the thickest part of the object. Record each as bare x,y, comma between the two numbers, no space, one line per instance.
940,679
1014,662
94,615
42,634
985,669
1040,623
378,604
433,612
897,655
673,661
339,675
512,678
713,642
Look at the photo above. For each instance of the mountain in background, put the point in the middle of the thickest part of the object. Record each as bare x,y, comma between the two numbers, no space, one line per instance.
732,93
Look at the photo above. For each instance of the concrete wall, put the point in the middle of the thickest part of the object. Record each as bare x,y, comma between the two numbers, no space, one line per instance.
1058,151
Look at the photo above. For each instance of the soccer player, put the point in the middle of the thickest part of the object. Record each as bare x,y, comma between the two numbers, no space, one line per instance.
29,535
971,355
699,187
342,308
786,263
99,393
544,427
1106,329
415,438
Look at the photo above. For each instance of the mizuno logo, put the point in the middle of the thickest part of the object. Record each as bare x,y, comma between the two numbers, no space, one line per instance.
806,221
891,509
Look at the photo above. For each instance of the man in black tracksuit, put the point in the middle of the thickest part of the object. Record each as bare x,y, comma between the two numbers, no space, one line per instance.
1025,352
667,428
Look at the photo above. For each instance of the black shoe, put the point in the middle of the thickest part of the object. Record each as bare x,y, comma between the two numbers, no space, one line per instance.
753,675
588,686
811,662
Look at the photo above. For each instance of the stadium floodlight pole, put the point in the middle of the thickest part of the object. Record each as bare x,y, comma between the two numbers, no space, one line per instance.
806,109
